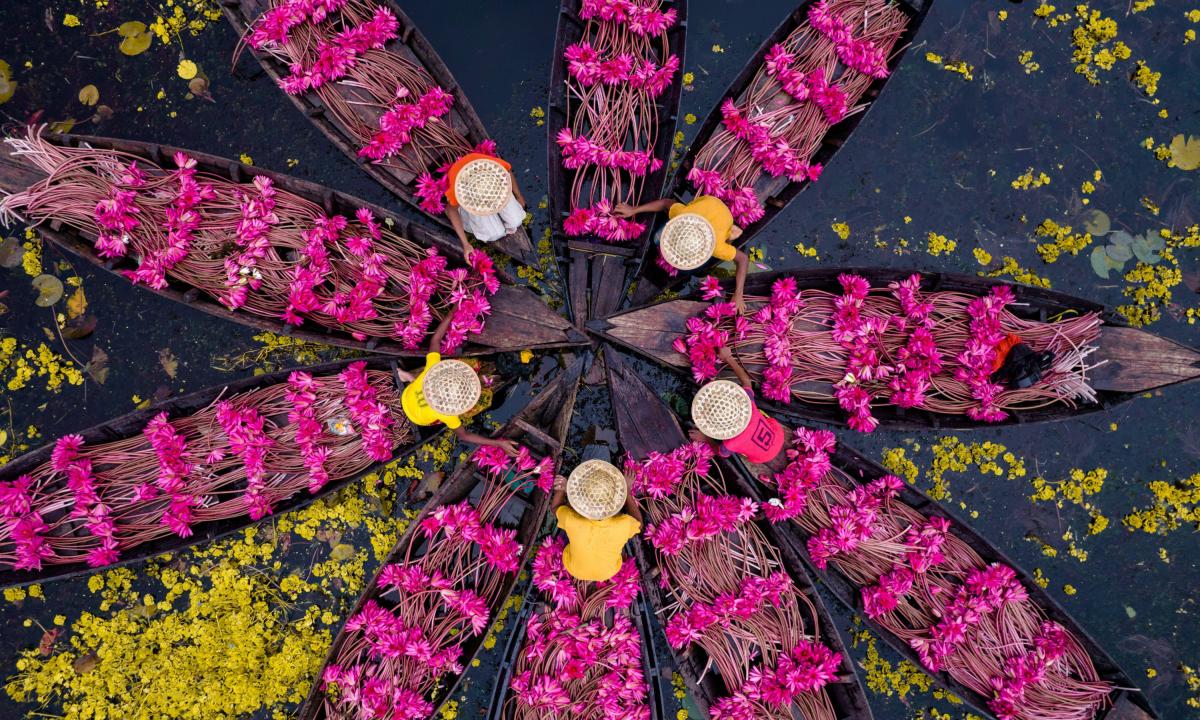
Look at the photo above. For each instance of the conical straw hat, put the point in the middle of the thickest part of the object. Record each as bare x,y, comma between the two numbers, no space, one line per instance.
451,387
596,489
722,409
483,187
687,241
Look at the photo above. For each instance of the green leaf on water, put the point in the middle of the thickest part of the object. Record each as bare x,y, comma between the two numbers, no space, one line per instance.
1120,253
1100,261
1121,237
1096,222
1141,248
49,290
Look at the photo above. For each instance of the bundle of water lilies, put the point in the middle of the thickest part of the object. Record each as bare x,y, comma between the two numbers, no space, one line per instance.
923,584
808,82
255,248
337,50
615,75
942,351
729,592
411,632
238,456
582,656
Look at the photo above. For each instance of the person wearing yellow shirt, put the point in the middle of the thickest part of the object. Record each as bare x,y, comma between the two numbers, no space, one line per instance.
444,391
588,509
696,232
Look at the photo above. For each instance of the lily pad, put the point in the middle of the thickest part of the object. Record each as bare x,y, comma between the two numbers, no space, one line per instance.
1096,222
1100,261
136,38
49,290
11,252
1145,253
8,86
1121,237
1120,253
1186,152
1155,240
89,95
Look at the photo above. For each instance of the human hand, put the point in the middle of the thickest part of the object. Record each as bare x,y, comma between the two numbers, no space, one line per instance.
740,303
735,232
405,375
560,483
623,210
696,436
508,446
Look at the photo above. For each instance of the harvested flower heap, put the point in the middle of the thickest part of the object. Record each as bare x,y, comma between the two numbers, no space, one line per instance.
919,581
238,457
729,592
254,248
898,345
615,76
582,655
436,598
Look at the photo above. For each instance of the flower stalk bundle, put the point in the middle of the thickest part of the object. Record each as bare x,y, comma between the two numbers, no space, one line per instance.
615,74
438,596
922,583
238,456
254,248
582,655
808,82
337,50
896,345
729,594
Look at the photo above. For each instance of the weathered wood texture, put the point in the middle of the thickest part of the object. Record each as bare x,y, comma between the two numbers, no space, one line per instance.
519,319
413,46
548,417
1134,361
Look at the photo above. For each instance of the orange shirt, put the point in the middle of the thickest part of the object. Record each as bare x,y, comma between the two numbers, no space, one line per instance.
1006,345
452,174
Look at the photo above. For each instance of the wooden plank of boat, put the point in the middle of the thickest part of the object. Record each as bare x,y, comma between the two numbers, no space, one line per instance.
542,426
412,45
1133,361
132,424
1126,702
778,192
644,425
603,268
519,320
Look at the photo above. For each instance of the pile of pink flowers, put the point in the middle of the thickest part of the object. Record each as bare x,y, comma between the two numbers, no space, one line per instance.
451,571
921,583
255,248
807,83
575,661
432,186
331,46
614,74
228,460
897,345
729,596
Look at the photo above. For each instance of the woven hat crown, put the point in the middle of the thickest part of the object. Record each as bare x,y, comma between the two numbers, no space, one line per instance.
451,387
483,187
596,489
687,241
722,409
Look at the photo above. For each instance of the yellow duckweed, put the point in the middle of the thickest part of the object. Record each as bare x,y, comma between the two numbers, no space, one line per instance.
1062,240
1030,180
841,229
1174,505
901,680
1011,268
938,245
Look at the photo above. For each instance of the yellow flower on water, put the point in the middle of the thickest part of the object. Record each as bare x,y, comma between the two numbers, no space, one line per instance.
70,20
841,229
983,257
939,245
1069,589
187,69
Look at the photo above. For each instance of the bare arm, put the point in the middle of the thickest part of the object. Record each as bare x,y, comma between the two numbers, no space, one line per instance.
457,223
435,345
560,493
625,210
631,505
742,262
742,376
517,189
508,446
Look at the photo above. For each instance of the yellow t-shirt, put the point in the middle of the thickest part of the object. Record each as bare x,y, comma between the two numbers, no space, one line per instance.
593,552
413,400
718,215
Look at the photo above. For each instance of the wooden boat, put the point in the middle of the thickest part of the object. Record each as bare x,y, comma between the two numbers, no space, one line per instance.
132,424
1126,703
644,425
541,426
1135,361
519,319
777,192
412,45
597,272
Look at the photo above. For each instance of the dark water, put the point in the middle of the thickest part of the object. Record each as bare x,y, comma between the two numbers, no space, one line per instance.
927,150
